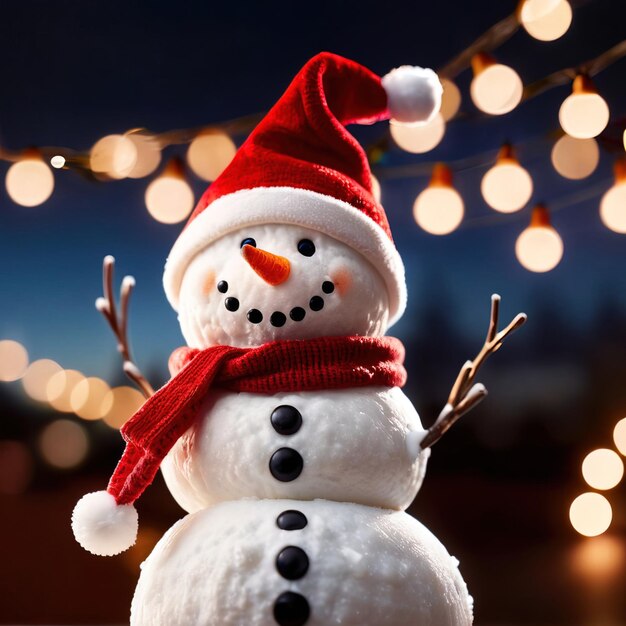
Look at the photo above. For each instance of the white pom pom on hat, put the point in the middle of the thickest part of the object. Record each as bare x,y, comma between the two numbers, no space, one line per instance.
413,93
102,526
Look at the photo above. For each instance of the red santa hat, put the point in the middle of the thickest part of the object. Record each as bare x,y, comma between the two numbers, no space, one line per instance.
301,166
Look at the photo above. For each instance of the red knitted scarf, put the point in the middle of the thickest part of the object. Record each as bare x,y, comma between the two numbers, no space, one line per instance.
297,365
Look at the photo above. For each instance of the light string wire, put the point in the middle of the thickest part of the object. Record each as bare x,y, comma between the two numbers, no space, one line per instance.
491,39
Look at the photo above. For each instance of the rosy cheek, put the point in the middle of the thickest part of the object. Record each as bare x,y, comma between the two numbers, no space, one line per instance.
342,279
209,283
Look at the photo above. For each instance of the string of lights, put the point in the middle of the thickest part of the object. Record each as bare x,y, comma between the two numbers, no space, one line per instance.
495,89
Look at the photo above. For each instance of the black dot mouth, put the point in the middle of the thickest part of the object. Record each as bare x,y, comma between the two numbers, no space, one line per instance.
297,314
277,318
254,316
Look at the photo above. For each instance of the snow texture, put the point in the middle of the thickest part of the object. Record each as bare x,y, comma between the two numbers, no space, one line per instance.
368,566
353,443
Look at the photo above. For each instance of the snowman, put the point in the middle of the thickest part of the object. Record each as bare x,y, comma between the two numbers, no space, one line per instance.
284,432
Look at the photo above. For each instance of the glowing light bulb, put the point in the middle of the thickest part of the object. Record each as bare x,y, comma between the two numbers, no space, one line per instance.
507,186
64,444
590,514
13,360
619,436
29,182
613,203
584,113
439,208
418,138
495,89
148,154
114,156
210,153
539,247
575,158
37,377
603,469
450,99
169,198
545,20
57,161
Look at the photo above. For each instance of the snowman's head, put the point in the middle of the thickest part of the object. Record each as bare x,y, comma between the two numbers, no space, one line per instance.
279,281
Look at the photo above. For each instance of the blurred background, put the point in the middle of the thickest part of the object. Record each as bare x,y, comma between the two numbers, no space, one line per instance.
115,115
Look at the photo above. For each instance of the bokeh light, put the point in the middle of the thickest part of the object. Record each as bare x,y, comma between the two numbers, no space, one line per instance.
87,398
418,138
210,153
599,559
13,360
29,182
575,158
113,155
539,248
148,154
169,198
590,514
450,99
546,20
64,444
147,538
60,387
37,377
495,89
16,467
119,404
439,208
613,208
603,469
507,186
57,161
585,113
619,436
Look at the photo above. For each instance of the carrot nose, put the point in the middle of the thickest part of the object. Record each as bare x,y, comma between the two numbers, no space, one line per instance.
273,269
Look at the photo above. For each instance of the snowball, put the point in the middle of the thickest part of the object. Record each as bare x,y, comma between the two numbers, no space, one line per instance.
102,526
413,93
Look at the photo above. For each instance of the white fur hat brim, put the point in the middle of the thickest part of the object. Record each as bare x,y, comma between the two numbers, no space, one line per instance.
289,205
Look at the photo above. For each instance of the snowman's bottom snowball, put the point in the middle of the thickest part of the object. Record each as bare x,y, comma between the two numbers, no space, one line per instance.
366,567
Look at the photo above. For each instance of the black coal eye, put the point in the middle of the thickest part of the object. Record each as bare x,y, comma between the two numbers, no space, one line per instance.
248,241
306,247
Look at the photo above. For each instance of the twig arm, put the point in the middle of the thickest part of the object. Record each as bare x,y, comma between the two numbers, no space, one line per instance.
119,323
466,393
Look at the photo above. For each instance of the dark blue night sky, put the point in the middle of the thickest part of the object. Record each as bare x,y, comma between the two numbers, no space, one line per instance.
500,484
75,71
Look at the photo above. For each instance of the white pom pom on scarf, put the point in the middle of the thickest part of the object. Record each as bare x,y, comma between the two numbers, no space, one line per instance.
102,526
